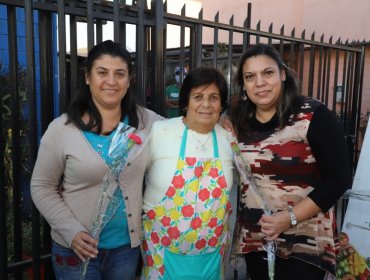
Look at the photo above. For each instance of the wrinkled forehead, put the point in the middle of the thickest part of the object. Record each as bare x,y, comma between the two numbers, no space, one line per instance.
206,89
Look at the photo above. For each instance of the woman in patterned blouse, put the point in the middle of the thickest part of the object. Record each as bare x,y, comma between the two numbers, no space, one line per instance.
297,153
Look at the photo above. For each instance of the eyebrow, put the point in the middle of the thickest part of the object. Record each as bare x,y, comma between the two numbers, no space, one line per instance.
267,68
212,93
119,70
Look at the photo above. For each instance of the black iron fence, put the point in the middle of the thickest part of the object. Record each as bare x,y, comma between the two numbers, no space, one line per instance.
35,92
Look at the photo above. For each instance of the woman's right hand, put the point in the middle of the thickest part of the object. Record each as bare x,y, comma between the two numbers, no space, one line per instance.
84,246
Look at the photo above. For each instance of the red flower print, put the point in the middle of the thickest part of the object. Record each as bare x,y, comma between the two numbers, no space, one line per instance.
149,261
200,244
178,181
187,211
213,241
170,192
173,232
213,172
166,221
166,241
72,260
222,182
151,214
212,223
219,230
161,270
190,161
198,171
59,259
222,250
228,206
134,137
196,223
154,237
216,193
145,245
203,194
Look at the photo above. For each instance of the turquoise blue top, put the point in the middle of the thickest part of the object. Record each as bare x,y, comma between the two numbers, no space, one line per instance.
115,233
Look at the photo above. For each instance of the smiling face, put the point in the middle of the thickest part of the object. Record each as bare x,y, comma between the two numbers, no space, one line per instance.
108,80
204,108
262,80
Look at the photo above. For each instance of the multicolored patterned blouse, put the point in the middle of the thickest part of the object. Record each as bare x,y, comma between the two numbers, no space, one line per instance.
305,158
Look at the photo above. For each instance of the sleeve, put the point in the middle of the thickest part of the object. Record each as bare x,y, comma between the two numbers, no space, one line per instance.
148,117
45,183
327,141
151,137
150,121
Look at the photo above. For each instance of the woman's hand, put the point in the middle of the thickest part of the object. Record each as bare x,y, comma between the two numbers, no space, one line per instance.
84,246
279,222
225,122
273,225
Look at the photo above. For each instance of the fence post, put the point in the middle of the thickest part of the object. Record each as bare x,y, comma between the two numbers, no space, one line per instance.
158,71
141,52
357,101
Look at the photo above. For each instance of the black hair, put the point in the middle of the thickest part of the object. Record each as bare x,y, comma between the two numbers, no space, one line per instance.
242,111
199,77
83,102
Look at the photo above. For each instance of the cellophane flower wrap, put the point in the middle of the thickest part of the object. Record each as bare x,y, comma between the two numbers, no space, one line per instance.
108,202
245,174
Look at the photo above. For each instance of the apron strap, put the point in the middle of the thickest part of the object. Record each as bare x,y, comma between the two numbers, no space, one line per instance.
185,136
215,144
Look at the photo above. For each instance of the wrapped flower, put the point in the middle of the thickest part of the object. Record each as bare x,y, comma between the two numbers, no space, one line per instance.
246,175
108,200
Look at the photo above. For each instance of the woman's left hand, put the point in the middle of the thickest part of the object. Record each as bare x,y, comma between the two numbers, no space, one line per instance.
225,122
273,225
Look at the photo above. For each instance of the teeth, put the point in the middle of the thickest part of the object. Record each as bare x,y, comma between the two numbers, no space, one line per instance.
109,90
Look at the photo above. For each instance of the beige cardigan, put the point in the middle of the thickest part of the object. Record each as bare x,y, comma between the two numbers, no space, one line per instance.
66,160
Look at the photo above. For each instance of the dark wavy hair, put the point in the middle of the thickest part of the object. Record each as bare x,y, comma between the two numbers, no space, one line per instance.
199,77
83,102
242,111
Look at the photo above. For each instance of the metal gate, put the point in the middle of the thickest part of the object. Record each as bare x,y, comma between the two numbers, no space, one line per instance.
38,90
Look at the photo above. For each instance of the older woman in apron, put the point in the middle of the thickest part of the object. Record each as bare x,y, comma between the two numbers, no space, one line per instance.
186,201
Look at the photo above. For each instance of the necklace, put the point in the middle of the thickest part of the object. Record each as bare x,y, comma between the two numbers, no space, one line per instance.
202,145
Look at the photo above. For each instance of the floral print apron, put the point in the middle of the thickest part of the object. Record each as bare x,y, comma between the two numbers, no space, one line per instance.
185,234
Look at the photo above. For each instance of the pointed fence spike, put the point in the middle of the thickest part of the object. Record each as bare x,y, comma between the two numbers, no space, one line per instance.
231,21
293,32
200,15
282,30
245,24
217,17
